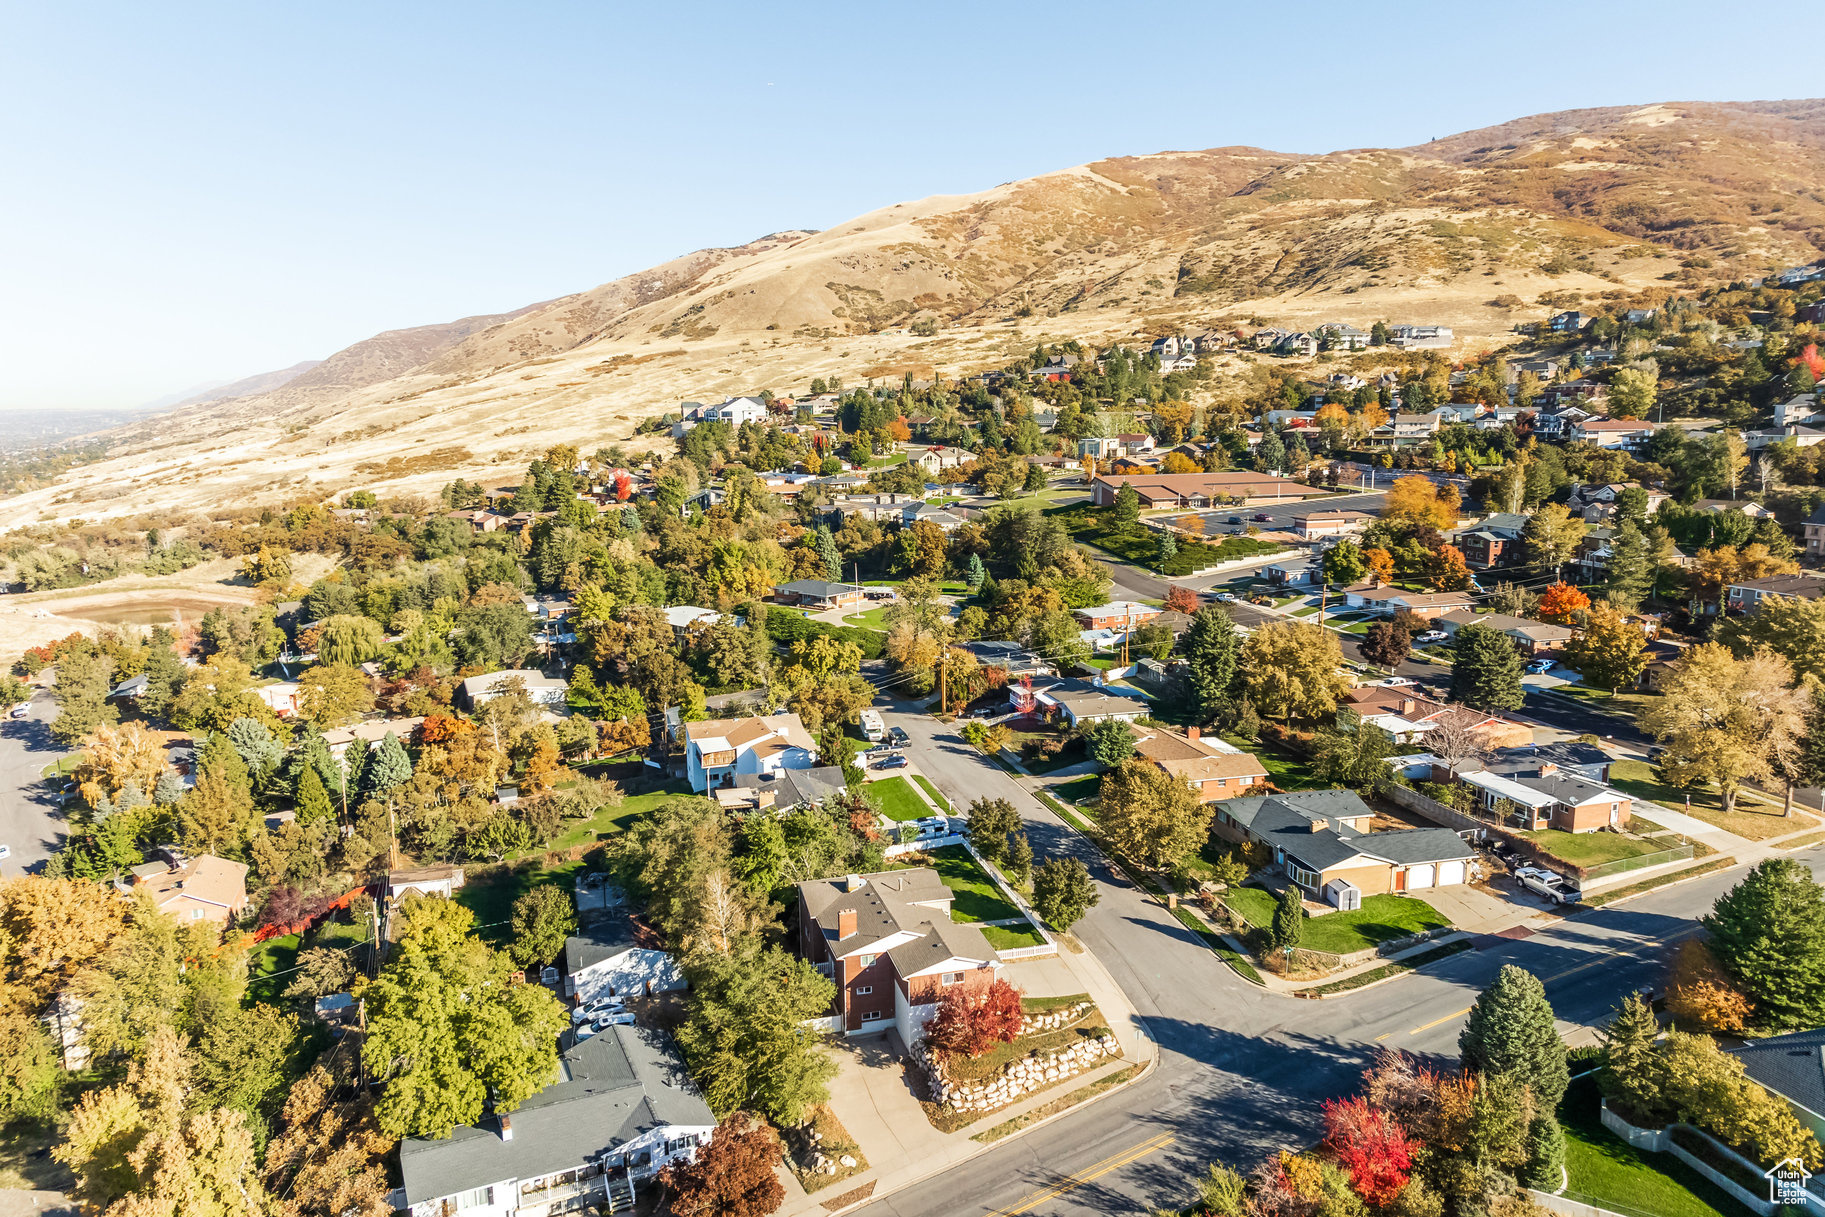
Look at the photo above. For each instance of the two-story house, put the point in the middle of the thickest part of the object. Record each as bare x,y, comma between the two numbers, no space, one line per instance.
718,749
1494,542
888,942
620,1110
1747,596
1612,432
1213,769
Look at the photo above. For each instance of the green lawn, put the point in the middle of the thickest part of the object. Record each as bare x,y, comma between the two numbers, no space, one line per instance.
1380,919
1285,772
1080,790
1753,820
931,792
273,955
610,820
868,619
899,801
1591,848
1011,937
976,896
1605,1171
489,892
1140,545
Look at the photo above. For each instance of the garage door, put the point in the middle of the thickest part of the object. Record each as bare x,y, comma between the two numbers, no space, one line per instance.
1419,876
1449,873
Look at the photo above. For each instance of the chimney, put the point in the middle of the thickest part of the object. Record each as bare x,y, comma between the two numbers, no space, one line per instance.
1407,706
845,924
506,1128
1548,768
1192,733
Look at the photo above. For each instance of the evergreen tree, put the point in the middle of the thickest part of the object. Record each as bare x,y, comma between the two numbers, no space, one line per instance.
1289,919
1036,479
260,751
1167,549
1018,860
314,803
1486,670
975,574
1633,1076
313,751
1211,649
1298,456
84,679
1629,574
1769,932
1510,1031
1063,891
169,790
828,555
1545,1165
388,766
1127,510
355,759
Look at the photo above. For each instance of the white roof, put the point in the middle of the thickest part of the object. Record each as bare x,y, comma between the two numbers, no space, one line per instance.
1526,796
681,616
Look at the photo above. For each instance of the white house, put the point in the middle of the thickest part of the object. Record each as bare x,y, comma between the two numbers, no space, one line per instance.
607,960
281,695
373,731
681,617
544,690
719,748
1079,702
621,1109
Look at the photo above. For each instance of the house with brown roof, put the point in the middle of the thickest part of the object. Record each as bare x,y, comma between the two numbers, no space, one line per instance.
1321,840
889,943
1530,636
1387,601
718,749
1408,716
1748,595
207,888
1200,489
1215,773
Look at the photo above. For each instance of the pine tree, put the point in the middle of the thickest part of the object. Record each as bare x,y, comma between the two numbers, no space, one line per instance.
1545,1165
314,803
1211,650
312,750
259,750
389,766
828,555
1063,891
1769,932
169,790
1270,453
1289,925
1633,1073
355,759
1510,1031
1127,508
975,574
1167,550
1486,670
1629,574
1018,861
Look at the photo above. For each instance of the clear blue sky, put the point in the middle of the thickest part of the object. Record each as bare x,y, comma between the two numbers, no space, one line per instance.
194,192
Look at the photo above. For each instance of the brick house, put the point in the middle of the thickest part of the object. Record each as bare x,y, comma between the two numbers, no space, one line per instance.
1496,541
1118,614
1545,796
889,943
1215,773
819,594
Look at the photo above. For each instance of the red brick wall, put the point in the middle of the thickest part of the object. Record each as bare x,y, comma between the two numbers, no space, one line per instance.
882,977
1589,817
921,990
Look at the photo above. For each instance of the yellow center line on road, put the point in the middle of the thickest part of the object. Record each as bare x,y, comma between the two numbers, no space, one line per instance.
1071,1183
1435,1022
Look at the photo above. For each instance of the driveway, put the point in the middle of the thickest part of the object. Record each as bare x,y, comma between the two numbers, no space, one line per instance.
30,822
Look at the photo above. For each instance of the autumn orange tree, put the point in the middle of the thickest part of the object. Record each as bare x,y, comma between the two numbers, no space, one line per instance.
732,1176
1702,992
1448,570
1562,603
1380,563
969,1024
1181,600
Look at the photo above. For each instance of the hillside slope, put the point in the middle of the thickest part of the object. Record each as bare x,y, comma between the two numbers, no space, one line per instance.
1452,232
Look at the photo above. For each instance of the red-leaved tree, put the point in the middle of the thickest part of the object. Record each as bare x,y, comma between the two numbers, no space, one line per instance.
969,1024
1562,603
732,1176
1370,1146
624,486
1181,600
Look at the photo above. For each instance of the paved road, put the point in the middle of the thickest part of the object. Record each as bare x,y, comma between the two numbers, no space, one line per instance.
30,822
1242,1070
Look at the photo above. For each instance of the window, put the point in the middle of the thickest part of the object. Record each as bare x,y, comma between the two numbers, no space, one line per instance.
951,978
481,1197
863,990
868,961
1302,876
872,1016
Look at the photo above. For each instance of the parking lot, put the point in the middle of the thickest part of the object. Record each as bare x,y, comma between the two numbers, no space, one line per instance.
1280,516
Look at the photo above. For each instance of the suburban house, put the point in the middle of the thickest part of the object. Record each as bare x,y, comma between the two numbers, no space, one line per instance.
1544,796
621,1109
1419,337
934,460
441,879
1319,839
1496,541
1200,489
1814,529
373,731
1531,636
1387,601
733,410
1116,615
1407,715
205,888
1215,773
818,594
781,790
889,943
1571,322
1011,657
1746,596
718,749
1079,702
478,691
281,696
1583,760
1612,432
1135,443
606,959
928,513
1405,429
1791,1067
1800,408
681,617
1341,336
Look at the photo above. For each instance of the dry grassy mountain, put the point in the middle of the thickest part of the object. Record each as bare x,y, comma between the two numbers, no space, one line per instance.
1453,232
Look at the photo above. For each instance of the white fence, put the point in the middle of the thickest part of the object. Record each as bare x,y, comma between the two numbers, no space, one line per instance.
919,847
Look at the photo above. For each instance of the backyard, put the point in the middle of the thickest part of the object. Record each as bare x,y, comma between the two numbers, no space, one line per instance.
1754,820
976,898
489,892
1380,919
1140,545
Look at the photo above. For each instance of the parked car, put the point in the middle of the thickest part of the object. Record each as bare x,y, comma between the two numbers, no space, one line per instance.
1432,636
891,761
1540,665
897,737
1397,682
1261,517
1227,597
603,1024
1547,883
1235,519
20,711
601,1008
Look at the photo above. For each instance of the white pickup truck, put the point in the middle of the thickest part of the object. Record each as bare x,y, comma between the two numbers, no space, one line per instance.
1547,883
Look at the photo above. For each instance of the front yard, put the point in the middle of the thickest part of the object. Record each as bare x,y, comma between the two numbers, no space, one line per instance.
1096,526
1380,919
1606,1171
1754,820
1592,848
898,800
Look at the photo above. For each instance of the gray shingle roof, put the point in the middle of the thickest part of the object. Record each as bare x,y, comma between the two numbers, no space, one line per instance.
792,787
1792,1066
595,943
611,1088
1285,821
